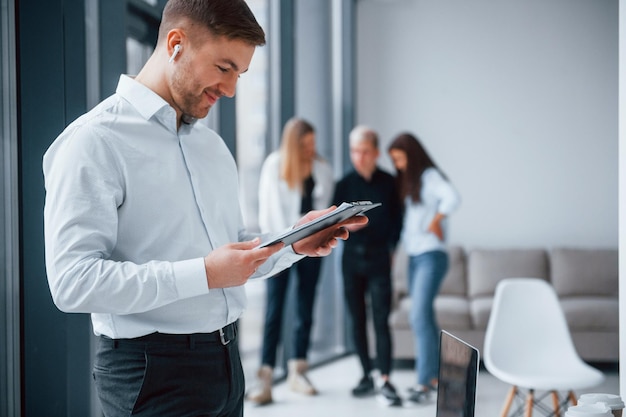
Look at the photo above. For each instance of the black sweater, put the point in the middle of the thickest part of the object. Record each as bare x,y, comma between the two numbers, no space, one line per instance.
385,222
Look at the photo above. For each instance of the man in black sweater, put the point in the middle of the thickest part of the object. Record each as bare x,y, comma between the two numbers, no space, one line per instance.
366,262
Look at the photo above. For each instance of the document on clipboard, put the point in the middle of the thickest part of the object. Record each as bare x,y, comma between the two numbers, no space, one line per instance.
341,213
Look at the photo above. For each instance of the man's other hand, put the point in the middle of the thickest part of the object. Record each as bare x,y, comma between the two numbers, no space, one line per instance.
323,242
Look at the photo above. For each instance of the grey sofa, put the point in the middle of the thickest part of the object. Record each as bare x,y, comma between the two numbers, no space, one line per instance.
586,281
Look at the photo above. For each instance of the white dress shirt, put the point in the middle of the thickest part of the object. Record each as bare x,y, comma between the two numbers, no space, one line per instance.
437,196
279,205
133,206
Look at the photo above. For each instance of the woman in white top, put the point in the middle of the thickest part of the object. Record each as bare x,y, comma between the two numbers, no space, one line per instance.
294,180
429,198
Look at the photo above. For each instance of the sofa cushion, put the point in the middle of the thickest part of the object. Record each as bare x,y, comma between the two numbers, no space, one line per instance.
486,267
399,270
452,312
591,313
584,271
480,308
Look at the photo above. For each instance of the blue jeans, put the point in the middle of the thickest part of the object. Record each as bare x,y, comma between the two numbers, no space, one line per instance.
426,273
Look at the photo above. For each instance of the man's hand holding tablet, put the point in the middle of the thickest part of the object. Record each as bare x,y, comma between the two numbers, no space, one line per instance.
317,232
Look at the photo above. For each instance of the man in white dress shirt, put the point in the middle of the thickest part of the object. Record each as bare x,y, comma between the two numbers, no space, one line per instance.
143,227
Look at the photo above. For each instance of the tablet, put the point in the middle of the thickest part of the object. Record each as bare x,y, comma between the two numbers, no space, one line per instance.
341,213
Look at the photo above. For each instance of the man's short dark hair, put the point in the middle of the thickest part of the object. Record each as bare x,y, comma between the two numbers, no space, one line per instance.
230,18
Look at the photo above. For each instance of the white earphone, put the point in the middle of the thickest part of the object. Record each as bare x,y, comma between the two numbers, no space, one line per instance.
176,50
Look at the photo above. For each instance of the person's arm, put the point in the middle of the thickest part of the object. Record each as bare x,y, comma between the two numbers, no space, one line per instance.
342,195
272,217
282,259
449,200
233,264
84,188
435,225
324,184
318,244
396,210
323,242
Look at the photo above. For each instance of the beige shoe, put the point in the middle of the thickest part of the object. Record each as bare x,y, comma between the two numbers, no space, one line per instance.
262,394
297,378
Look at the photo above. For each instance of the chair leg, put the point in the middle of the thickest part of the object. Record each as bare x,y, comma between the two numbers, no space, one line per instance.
508,401
556,402
529,403
572,398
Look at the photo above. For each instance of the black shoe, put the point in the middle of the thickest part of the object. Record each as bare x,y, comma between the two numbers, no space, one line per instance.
365,387
388,396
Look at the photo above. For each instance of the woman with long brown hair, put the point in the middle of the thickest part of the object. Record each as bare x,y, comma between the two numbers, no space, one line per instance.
429,198
294,180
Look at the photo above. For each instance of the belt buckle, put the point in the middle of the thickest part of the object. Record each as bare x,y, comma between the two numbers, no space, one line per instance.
223,337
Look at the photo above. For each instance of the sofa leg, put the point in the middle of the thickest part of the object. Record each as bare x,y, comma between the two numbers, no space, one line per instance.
508,401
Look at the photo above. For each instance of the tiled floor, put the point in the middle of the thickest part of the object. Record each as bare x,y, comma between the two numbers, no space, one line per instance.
334,381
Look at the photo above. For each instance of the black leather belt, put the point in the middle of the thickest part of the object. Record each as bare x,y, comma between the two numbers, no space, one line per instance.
224,336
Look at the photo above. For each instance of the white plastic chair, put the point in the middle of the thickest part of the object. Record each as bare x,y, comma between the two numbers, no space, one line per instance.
529,346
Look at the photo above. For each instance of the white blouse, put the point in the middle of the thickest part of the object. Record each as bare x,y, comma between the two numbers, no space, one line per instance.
279,205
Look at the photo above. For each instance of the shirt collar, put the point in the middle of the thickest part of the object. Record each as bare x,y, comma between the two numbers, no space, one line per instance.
148,103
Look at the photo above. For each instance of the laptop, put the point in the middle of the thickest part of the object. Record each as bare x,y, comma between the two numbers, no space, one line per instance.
458,374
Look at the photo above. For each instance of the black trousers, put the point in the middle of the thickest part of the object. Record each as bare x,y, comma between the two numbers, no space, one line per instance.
368,273
170,375
308,271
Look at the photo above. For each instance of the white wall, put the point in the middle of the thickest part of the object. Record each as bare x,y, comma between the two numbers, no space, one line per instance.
516,101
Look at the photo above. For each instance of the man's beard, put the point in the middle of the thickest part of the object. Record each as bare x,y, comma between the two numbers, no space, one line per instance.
190,105
186,101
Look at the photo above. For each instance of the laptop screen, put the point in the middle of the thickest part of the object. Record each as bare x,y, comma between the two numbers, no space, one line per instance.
458,372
